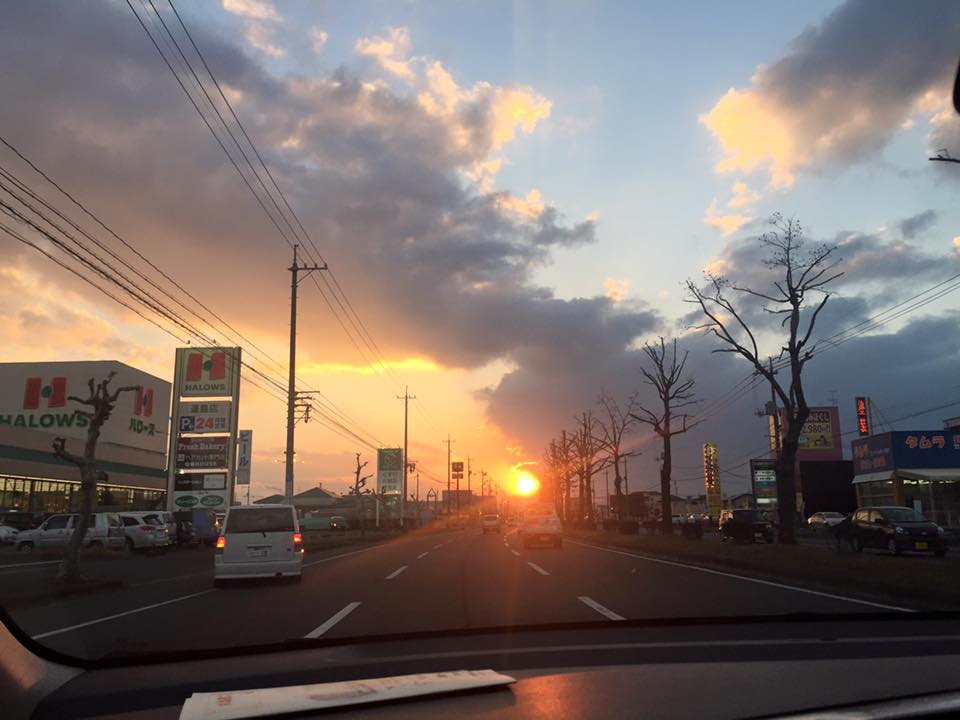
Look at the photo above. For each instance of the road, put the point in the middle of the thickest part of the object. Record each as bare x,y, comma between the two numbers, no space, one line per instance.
430,581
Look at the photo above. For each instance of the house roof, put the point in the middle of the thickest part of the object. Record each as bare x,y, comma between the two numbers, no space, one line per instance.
269,500
316,493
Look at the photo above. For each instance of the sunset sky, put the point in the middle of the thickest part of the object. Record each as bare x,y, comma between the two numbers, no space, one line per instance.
510,195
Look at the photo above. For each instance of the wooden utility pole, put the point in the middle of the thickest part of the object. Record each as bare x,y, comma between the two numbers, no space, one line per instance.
406,397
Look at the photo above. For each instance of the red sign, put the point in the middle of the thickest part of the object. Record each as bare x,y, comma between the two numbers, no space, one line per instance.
55,393
863,424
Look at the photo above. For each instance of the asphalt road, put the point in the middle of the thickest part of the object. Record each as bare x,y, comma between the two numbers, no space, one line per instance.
431,581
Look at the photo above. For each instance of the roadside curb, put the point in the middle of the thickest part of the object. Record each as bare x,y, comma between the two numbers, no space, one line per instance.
931,601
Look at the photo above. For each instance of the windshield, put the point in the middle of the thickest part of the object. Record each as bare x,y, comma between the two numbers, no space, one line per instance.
495,314
260,520
907,515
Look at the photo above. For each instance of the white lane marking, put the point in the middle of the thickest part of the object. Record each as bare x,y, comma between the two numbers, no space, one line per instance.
343,555
744,577
423,555
606,612
514,552
105,618
438,546
396,572
334,619
538,568
12,566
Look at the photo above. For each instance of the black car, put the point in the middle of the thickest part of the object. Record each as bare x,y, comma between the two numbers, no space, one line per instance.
20,520
895,529
744,526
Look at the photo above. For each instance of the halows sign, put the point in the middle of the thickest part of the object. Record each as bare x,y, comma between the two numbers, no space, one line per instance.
208,372
36,396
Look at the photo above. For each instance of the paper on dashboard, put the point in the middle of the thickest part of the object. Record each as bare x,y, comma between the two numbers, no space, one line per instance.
228,705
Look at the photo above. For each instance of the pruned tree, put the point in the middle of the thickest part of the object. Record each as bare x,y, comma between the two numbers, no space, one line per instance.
612,426
674,392
798,295
358,491
102,401
588,459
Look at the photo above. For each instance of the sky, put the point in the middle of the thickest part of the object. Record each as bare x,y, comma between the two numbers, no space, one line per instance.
511,196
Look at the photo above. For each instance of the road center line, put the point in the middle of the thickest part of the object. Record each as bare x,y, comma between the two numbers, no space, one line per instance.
105,618
538,568
423,555
593,604
438,546
333,620
742,577
396,572
514,552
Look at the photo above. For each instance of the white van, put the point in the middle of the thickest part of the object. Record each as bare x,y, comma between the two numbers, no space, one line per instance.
259,541
104,530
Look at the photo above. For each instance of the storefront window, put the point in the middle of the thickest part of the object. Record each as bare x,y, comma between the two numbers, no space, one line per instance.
880,492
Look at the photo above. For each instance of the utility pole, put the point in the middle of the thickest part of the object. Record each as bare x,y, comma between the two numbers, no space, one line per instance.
406,397
469,473
483,483
606,497
295,270
776,414
449,442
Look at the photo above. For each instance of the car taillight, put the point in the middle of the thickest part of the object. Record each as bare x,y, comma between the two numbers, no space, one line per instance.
221,543
149,528
298,542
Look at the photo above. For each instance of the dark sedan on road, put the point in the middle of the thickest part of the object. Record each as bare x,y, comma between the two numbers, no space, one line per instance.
896,530
744,526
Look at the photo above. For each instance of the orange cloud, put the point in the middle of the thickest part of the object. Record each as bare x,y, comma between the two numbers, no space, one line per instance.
752,134
727,224
528,208
616,289
742,196
390,52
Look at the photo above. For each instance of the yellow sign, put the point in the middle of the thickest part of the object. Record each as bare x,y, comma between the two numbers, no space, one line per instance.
817,433
711,480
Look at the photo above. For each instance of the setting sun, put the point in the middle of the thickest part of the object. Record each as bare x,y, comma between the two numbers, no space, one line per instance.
527,484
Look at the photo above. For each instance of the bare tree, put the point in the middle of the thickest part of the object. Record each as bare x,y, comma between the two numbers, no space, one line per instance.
675,392
611,428
559,457
357,490
798,295
588,459
102,401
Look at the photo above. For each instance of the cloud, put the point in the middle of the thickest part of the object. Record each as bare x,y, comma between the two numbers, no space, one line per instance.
262,38
916,224
616,289
389,51
430,259
252,9
727,224
743,196
318,39
841,92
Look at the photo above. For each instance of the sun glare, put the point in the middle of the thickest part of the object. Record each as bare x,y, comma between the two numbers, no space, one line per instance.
527,484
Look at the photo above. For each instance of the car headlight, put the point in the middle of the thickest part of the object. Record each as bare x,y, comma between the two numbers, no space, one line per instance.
899,530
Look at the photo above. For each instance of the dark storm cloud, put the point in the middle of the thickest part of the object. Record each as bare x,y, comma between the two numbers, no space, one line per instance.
916,224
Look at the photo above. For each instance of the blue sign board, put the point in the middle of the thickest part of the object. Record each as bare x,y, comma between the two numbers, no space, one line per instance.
916,449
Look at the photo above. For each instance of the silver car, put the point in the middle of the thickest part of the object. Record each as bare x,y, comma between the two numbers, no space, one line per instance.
104,530
145,531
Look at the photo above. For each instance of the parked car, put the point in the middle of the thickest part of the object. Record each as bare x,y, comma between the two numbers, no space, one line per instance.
895,529
539,529
104,530
144,531
338,522
820,520
20,520
490,523
744,526
259,541
8,534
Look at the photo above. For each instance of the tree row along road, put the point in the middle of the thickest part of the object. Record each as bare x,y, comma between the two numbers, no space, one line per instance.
443,581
